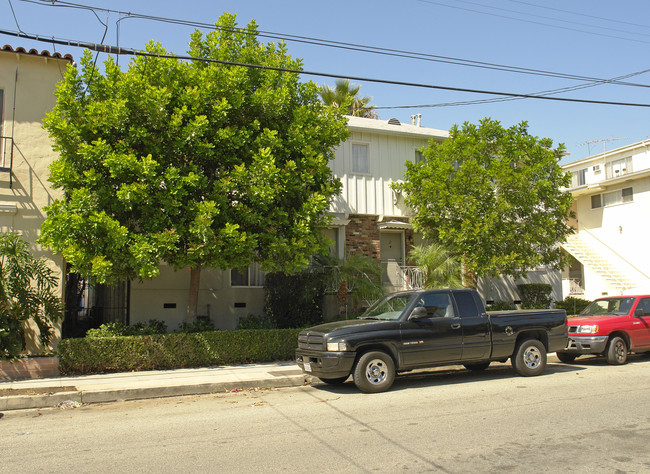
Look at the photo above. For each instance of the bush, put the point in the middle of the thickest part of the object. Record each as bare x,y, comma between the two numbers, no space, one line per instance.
535,295
501,306
93,355
294,301
198,325
572,305
115,329
27,294
253,321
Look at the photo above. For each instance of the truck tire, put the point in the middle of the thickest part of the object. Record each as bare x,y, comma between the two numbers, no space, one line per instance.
529,358
336,381
617,351
564,357
374,372
478,366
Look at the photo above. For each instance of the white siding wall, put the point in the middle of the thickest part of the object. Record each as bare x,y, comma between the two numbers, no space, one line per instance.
371,193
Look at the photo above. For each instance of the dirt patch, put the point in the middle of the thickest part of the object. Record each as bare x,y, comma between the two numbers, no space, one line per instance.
8,392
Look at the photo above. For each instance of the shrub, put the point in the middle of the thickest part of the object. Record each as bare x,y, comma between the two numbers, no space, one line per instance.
27,293
198,325
501,305
92,355
572,305
253,321
115,329
535,295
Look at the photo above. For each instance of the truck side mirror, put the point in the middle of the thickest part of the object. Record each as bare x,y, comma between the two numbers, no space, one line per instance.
419,313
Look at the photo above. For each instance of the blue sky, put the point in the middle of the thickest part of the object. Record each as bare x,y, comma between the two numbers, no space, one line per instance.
588,38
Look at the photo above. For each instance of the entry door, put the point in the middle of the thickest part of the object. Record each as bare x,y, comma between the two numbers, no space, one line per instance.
392,258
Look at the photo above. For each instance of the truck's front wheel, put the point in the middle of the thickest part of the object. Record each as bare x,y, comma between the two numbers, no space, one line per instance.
529,358
617,351
374,372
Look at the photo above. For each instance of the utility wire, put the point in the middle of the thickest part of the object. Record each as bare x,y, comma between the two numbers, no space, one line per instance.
345,45
132,52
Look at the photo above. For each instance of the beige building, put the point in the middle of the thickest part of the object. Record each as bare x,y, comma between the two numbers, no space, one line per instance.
27,84
612,204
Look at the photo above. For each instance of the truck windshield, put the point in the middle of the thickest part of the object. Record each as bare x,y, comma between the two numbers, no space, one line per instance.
388,308
609,307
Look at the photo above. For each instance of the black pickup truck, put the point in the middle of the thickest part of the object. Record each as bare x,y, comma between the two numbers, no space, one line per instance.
428,328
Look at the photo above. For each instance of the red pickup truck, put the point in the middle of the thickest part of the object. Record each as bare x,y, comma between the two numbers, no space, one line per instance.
612,326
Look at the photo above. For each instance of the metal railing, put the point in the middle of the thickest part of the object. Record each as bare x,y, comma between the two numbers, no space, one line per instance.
7,156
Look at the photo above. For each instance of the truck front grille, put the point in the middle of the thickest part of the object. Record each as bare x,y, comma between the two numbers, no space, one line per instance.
310,340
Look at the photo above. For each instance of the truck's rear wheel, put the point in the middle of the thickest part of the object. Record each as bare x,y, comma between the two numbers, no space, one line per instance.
529,358
374,372
617,351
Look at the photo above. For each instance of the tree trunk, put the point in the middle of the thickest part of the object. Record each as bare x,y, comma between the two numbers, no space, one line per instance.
193,302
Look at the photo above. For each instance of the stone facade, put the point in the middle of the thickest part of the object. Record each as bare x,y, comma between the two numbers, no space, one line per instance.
362,237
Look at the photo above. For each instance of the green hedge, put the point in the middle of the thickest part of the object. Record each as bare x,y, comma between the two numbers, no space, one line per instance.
94,355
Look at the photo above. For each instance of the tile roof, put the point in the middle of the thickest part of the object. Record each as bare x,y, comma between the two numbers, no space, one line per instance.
35,52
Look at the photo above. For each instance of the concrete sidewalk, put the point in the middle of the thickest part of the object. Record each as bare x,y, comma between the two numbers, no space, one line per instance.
50,392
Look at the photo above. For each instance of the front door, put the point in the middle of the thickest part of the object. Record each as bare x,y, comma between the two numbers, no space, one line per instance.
641,323
435,339
391,250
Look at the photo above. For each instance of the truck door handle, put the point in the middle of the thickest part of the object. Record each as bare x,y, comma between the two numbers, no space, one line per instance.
455,326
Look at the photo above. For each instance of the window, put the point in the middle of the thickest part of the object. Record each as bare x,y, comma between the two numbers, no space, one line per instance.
419,157
360,162
580,177
2,108
617,168
612,198
438,305
251,276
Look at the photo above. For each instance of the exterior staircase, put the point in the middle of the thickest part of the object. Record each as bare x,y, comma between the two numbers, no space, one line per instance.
597,256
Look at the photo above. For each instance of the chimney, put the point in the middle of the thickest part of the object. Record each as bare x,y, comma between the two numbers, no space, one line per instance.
412,119
419,116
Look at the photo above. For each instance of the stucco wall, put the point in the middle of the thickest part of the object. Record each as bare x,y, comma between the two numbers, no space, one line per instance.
29,82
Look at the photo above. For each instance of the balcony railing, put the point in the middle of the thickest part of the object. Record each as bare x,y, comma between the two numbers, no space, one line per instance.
7,156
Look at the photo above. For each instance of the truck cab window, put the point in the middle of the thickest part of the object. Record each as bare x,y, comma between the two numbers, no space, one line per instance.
466,305
438,305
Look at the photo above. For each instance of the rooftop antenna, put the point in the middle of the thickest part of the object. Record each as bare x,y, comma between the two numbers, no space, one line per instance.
603,140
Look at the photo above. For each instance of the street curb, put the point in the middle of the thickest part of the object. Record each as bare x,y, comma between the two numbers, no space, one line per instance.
22,402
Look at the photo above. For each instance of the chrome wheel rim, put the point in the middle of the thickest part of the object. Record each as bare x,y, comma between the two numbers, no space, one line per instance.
532,357
376,371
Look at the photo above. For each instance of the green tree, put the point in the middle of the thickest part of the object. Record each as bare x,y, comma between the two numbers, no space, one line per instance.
346,96
27,293
193,163
494,196
441,270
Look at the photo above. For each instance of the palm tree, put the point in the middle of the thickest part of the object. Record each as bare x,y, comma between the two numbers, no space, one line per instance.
344,94
441,270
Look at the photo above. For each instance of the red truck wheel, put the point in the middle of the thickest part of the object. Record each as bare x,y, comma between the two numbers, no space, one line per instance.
529,358
617,351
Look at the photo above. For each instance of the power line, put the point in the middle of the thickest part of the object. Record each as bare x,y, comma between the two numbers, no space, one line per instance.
103,48
532,22
346,45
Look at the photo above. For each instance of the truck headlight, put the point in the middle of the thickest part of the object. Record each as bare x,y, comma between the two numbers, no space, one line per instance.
588,329
337,347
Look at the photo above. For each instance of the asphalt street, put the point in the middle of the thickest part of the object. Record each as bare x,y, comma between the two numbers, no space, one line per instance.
587,417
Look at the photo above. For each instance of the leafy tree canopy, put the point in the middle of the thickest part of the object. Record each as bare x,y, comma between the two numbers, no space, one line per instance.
192,163
492,195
